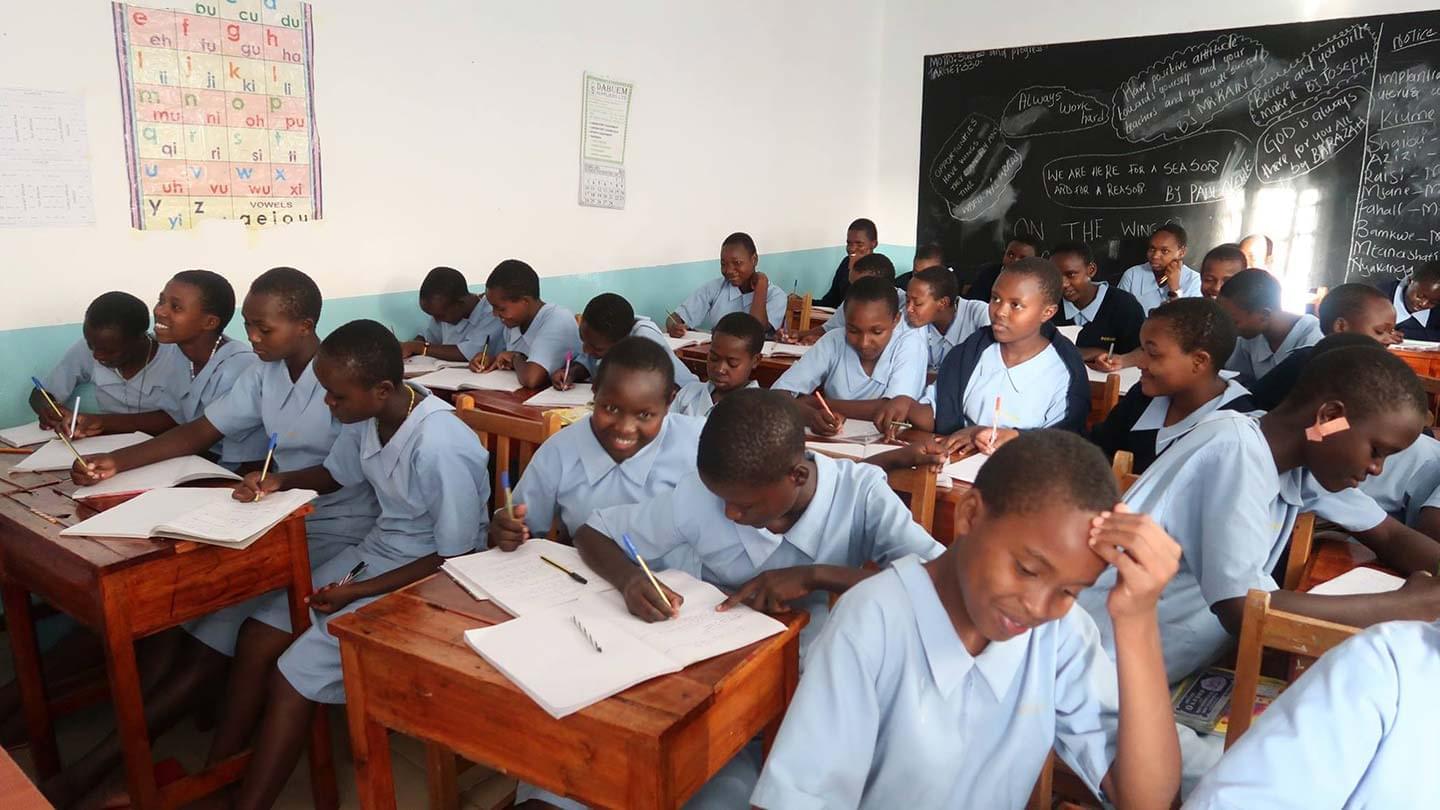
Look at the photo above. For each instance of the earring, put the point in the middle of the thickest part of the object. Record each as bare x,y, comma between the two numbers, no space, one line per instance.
1318,431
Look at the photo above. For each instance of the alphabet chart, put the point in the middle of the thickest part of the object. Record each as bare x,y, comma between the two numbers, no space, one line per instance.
219,113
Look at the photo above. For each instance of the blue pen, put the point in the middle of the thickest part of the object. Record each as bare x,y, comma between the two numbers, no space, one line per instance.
505,485
39,386
635,555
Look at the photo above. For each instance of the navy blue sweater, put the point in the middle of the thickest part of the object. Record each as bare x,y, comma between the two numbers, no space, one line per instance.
959,364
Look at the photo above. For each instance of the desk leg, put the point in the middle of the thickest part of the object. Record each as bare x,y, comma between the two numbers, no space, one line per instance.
127,698
790,681
369,740
26,651
440,772
323,790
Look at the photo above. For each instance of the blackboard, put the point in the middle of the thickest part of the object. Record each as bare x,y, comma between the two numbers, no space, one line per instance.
1323,135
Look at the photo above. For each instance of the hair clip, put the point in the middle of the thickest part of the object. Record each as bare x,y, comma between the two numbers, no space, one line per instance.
1318,431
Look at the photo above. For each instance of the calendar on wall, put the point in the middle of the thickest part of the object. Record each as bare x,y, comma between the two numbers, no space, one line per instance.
604,122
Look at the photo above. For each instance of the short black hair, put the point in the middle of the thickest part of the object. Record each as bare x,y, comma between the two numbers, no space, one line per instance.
1252,290
866,227
1341,340
120,311
744,326
941,282
1175,230
1044,468
636,353
931,251
1427,272
1199,324
1366,377
444,282
1228,252
876,264
368,350
217,297
299,295
874,288
1347,301
1026,239
514,279
1269,243
742,239
610,315
1045,274
754,435
1076,247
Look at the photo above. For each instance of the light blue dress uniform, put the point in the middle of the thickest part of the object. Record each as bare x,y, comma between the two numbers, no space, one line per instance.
226,365
553,333
432,484
265,398
1407,480
152,388
571,475
893,711
837,321
1032,394
646,328
832,363
969,317
697,399
1153,417
471,333
1254,359
717,298
1139,281
1357,732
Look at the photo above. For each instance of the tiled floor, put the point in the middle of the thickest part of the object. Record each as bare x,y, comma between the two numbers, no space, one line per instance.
480,788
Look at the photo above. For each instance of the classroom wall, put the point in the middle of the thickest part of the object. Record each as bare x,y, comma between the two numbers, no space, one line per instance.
449,135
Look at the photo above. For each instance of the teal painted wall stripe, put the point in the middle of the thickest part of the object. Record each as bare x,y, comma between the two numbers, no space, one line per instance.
651,290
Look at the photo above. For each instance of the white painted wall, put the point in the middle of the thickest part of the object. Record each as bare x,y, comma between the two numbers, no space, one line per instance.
914,28
449,134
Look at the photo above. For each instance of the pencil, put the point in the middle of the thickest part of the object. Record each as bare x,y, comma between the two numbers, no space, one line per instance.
567,571
630,548
39,514
59,413
821,397
269,454
568,357
485,354
995,421
901,425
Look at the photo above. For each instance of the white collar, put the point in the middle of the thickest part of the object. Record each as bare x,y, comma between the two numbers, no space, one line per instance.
1402,310
1071,311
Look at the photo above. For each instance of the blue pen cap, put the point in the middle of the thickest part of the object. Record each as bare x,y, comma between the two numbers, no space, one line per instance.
505,479
38,385
630,548
274,440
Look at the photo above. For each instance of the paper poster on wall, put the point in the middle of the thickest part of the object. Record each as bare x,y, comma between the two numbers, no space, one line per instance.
219,113
604,121
44,159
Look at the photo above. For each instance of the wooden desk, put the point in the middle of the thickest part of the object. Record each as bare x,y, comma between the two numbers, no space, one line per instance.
16,792
1426,364
766,373
408,668
125,590
1331,557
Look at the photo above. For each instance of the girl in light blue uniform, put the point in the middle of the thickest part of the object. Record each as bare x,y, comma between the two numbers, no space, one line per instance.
734,291
461,325
607,320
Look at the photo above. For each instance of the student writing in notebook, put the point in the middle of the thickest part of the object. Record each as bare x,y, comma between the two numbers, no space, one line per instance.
1183,346
538,336
1109,318
740,288
1036,374
735,348
1414,299
607,320
876,265
428,470
1268,334
947,683
934,306
860,241
1218,267
1357,730
631,448
872,360
133,375
462,324
282,395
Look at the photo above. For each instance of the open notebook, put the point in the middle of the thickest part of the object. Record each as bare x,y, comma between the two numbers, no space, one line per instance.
519,581
580,394
424,365
1359,581
772,348
56,456
553,661
463,379
208,515
691,338
854,430
26,435
849,450
159,475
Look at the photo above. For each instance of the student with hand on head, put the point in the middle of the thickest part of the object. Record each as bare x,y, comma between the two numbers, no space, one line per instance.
876,265
735,348
934,306
926,257
861,238
1356,730
1109,319
1267,333
1259,251
948,683
462,324
607,320
1020,359
1413,298
1218,266
631,448
538,336
1165,276
1020,246
741,288
1182,348
860,367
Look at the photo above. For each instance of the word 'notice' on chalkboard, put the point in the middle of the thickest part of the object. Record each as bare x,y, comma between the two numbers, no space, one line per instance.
1321,135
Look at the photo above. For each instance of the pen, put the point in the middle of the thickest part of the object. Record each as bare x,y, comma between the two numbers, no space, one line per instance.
74,415
509,501
485,354
568,572
1109,353
51,400
354,572
269,454
995,421
568,357
821,397
586,633
41,388
630,549
901,425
